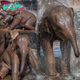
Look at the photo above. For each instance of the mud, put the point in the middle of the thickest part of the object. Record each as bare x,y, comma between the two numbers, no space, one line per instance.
41,77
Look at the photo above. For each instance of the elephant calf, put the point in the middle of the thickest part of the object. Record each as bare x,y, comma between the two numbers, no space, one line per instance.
57,24
16,56
23,18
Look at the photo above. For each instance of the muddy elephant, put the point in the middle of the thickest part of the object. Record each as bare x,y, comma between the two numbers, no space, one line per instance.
5,37
16,57
23,18
57,24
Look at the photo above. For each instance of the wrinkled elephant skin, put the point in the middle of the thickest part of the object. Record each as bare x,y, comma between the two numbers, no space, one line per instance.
57,24
17,56
23,18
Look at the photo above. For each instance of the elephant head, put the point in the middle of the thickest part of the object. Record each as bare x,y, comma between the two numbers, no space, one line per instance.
61,23
22,45
13,12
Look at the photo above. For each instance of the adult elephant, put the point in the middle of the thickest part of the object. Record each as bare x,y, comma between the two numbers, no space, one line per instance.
56,23
5,37
16,57
23,18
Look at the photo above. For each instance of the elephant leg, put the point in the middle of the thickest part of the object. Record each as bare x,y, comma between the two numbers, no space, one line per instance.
66,52
14,24
30,23
33,61
4,70
15,66
49,56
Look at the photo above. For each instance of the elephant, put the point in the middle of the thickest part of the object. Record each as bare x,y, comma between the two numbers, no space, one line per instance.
5,37
57,23
16,57
23,18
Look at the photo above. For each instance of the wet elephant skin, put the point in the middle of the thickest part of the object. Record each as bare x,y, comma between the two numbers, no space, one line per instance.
16,56
23,18
57,24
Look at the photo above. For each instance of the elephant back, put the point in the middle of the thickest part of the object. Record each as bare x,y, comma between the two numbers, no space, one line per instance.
44,12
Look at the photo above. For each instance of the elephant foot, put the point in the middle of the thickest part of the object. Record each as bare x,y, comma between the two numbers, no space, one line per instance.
52,72
16,78
64,69
1,75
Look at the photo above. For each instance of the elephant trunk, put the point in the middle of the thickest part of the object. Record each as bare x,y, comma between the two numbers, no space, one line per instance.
74,44
22,62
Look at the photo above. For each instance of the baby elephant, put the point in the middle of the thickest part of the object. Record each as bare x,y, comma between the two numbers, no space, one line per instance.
16,57
23,18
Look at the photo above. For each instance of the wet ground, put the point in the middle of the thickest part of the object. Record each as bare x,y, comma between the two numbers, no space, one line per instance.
42,75
30,77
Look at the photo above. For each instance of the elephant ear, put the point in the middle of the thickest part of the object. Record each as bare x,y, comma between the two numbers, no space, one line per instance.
14,45
46,25
72,12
